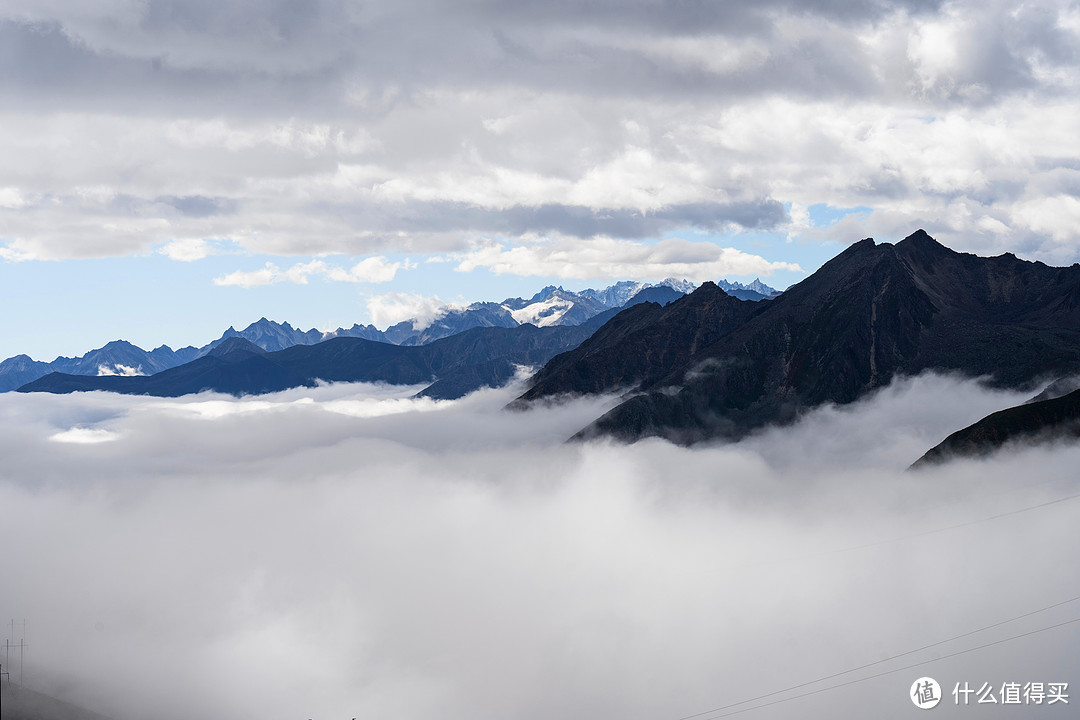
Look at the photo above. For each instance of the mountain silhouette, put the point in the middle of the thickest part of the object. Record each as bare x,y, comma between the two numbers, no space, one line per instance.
873,312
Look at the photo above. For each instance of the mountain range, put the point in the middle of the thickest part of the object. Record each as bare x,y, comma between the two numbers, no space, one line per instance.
712,366
451,366
690,367
552,306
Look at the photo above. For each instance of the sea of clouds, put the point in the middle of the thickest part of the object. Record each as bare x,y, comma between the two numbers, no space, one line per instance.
352,552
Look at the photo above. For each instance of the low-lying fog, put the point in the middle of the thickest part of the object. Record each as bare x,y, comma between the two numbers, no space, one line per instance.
353,553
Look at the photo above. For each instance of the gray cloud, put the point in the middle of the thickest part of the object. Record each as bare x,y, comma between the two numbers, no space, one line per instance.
355,553
199,206
575,221
329,126
307,53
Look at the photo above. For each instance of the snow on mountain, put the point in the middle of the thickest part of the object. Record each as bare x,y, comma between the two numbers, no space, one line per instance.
684,286
544,313
549,307
118,369
615,295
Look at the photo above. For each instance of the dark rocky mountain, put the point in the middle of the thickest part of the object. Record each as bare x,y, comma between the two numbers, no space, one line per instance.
533,352
870,313
640,345
459,364
1046,420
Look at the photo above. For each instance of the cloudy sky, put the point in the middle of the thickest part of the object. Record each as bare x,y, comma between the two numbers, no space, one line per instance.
352,552
170,168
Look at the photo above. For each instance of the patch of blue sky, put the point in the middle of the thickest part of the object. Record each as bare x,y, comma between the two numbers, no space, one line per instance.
68,307
823,215
151,300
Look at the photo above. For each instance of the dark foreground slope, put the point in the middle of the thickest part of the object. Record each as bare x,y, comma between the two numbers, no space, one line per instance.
462,363
870,313
1035,422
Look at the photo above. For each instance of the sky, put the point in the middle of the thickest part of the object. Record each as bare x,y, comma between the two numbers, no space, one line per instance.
171,168
355,552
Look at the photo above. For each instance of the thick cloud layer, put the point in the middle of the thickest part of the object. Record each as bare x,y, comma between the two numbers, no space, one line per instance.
353,552
326,126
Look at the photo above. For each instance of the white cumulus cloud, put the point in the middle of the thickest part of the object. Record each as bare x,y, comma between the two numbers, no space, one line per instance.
390,308
608,258
84,436
369,270
186,250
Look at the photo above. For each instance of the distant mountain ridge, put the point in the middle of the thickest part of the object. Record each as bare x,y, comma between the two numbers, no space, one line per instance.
451,367
552,306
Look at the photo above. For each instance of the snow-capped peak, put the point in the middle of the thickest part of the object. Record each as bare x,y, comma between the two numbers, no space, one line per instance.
543,313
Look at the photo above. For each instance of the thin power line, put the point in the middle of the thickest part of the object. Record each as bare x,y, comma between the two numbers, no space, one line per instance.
889,541
879,662
882,674
963,524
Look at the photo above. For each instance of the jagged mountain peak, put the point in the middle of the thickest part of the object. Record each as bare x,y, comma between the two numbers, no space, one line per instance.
872,312
547,292
921,237
921,244
684,286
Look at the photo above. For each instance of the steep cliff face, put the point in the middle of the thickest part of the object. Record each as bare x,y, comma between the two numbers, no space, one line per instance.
1035,422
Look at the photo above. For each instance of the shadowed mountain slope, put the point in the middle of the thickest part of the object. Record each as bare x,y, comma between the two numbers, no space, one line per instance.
660,294
642,344
1042,421
868,314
